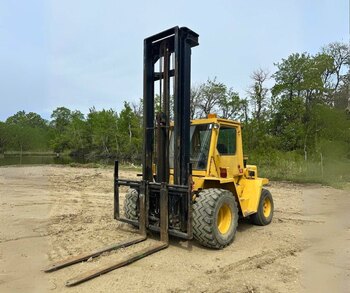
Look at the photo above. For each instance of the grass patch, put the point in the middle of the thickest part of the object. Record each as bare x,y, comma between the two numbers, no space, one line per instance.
291,166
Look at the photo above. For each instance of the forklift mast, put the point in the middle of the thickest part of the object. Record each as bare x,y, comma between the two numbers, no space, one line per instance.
162,207
171,50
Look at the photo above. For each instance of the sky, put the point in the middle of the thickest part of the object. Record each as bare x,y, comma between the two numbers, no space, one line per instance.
82,53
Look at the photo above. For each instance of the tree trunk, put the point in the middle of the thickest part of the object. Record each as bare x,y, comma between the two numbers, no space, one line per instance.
20,156
130,133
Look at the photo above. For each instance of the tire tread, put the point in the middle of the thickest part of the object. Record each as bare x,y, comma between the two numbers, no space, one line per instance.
258,218
130,205
203,217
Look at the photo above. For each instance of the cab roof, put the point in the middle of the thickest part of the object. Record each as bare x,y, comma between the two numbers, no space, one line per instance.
212,118
215,120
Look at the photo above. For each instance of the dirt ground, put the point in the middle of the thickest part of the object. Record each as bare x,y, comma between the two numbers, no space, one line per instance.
52,212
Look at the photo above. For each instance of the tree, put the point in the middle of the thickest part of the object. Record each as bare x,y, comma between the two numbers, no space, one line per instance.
336,77
340,55
102,127
209,96
195,101
4,137
31,119
76,133
70,132
214,97
342,96
138,109
257,128
26,132
231,106
288,124
300,80
289,76
300,75
129,134
61,117
258,93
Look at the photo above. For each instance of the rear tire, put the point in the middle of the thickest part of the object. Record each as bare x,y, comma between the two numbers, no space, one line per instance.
215,218
130,205
264,214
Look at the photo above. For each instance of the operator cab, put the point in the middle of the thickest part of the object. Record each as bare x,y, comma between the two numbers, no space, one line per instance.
213,138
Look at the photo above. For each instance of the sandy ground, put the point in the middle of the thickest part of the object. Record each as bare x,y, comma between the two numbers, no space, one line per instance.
52,212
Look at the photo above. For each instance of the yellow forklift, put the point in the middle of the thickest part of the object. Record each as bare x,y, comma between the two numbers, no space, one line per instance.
195,182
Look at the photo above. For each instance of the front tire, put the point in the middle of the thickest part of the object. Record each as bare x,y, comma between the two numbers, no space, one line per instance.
130,205
264,214
215,218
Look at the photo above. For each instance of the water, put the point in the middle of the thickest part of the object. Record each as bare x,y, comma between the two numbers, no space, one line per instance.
38,160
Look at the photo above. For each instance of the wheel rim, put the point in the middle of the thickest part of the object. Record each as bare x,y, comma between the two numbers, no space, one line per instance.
267,207
224,218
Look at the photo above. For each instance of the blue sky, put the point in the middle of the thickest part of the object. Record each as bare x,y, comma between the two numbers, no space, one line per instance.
81,54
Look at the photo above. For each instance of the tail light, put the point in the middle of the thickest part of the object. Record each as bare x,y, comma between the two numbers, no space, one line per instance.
223,172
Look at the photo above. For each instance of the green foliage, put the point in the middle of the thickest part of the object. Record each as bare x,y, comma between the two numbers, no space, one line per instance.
290,75
103,130
59,124
207,98
31,119
129,132
102,133
4,138
60,119
23,132
332,124
301,75
336,78
333,132
259,95
215,97
231,105
288,124
77,132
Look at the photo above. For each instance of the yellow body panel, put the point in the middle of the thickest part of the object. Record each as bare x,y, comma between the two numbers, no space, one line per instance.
242,181
250,195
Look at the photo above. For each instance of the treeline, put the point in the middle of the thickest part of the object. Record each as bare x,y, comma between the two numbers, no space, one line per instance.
304,113
105,133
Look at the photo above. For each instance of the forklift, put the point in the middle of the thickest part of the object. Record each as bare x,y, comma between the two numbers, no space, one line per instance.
195,181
